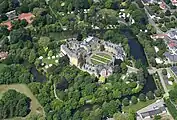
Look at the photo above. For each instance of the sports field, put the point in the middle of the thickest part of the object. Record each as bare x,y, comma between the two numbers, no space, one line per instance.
101,58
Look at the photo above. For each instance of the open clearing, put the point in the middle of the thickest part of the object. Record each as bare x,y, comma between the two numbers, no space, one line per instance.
138,106
36,108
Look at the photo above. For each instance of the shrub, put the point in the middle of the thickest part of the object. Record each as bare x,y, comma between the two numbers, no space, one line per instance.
158,93
164,72
125,102
142,97
150,95
134,99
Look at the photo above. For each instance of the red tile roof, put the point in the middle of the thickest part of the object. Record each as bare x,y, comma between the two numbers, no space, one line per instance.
27,16
3,55
172,44
8,24
174,2
162,5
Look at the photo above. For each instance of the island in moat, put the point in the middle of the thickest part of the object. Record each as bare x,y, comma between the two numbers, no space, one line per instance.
93,55
88,59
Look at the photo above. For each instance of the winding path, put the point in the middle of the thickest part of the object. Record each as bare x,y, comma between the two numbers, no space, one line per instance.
54,90
55,94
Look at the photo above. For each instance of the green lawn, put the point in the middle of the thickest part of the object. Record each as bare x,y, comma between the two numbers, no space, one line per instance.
95,62
49,61
100,59
104,55
138,106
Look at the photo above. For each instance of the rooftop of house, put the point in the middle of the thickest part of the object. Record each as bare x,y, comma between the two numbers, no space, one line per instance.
170,56
174,69
8,24
27,16
172,34
172,44
162,5
174,2
3,55
154,109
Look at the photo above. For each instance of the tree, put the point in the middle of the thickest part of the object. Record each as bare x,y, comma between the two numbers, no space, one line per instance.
79,37
3,17
19,34
164,72
44,41
14,104
125,102
109,108
32,56
157,117
108,35
142,97
158,93
173,95
124,67
167,13
150,95
134,99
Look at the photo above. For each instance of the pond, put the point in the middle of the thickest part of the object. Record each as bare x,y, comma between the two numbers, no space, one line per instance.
38,77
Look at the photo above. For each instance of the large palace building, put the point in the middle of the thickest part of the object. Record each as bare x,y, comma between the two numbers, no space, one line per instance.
95,56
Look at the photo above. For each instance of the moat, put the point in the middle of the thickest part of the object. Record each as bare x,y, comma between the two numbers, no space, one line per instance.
137,51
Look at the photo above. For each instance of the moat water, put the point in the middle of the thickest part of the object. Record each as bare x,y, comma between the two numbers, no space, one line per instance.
137,51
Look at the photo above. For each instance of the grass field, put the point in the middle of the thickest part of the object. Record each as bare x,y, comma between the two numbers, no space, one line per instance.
138,106
49,61
100,58
104,55
36,108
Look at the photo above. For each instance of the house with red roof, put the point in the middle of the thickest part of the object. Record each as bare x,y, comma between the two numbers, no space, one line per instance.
27,16
174,2
8,24
163,5
158,36
3,55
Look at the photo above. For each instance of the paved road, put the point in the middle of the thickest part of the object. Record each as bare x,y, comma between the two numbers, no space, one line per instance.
132,69
170,71
163,82
159,71
171,10
152,22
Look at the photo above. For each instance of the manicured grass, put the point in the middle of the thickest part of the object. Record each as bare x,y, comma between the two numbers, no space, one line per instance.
104,55
137,106
95,62
35,106
101,59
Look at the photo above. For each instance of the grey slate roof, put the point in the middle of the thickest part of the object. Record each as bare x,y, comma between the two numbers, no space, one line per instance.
172,58
174,69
